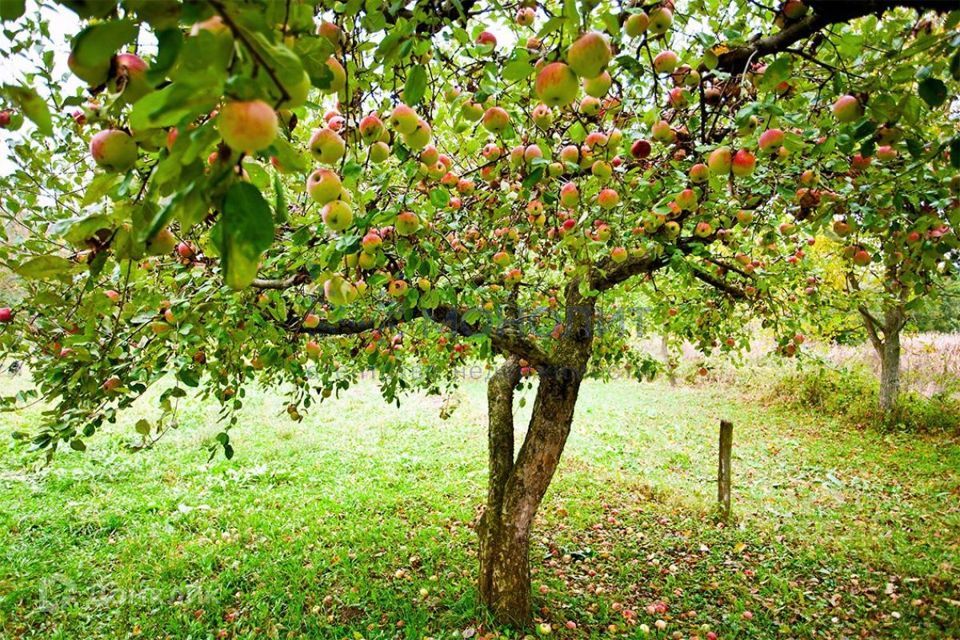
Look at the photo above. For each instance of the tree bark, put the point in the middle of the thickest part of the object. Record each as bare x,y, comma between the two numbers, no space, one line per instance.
893,321
517,487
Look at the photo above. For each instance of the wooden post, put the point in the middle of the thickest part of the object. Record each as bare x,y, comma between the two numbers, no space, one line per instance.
723,470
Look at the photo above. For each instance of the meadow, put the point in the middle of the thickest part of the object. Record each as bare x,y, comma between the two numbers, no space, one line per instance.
358,522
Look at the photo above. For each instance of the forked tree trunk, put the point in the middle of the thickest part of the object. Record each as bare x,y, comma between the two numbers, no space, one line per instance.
517,487
890,360
887,347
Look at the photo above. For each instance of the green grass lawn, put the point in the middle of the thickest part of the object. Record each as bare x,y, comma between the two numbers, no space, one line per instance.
357,522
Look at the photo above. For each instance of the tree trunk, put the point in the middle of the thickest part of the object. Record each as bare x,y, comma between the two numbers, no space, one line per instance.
890,359
517,487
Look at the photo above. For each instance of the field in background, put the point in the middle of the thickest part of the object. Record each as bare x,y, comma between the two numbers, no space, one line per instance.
930,363
357,522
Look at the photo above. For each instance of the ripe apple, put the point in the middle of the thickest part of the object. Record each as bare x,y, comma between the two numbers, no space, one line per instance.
570,154
404,119
337,215
113,296
542,116
420,136
842,228
379,152
496,119
531,153
430,156
661,19
601,169
525,16
847,109
471,111
770,140
743,163
487,39
720,161
569,195
397,288
185,251
407,224
5,116
636,24
371,241
162,243
793,9
130,78
371,128
248,125
699,173
111,384
665,62
862,257
589,106
640,149
744,217
859,162
323,185
886,153
608,198
326,145
501,258
6,314
589,55
678,97
703,230
599,86
687,200
311,321
662,132
313,349
113,149
618,254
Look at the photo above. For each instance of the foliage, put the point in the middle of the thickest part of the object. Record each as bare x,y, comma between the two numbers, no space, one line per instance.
469,256
851,394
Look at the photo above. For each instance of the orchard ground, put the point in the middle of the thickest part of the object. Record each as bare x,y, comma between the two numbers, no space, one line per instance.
357,522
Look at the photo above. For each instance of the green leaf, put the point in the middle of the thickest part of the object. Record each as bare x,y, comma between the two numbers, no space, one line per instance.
12,9
44,267
95,45
440,197
32,105
243,233
416,85
933,91
143,427
78,231
517,70
174,104
77,445
169,43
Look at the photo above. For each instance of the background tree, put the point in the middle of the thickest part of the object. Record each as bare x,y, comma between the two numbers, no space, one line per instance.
288,195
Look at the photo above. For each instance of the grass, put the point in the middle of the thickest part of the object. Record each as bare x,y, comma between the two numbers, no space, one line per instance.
357,522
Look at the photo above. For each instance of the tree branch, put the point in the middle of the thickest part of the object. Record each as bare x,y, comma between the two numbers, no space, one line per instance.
717,283
825,13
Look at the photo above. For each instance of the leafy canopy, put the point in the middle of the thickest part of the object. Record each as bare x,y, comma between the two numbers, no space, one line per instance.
298,192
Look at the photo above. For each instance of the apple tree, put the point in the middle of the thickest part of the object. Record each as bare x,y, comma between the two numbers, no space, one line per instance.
293,193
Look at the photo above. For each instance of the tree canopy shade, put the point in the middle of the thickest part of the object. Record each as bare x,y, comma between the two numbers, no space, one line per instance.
296,192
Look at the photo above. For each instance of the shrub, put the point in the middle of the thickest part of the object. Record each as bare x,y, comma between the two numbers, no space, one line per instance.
852,394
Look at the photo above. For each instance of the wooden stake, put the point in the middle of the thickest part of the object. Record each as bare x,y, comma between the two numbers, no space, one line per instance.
723,470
